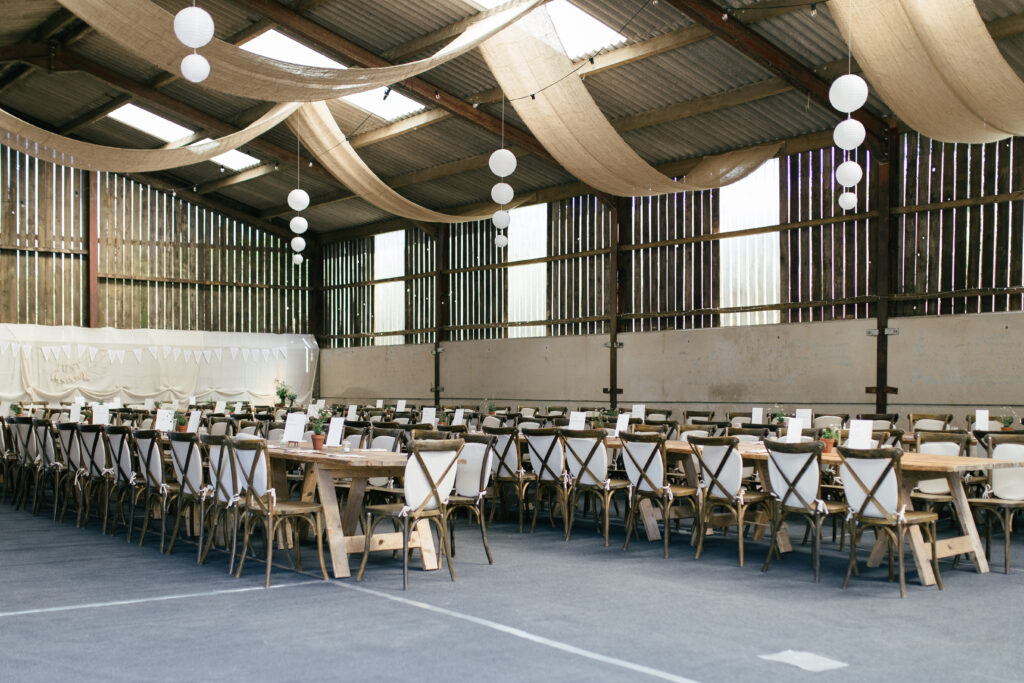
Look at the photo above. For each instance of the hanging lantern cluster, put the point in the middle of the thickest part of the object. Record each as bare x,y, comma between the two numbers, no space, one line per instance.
848,94
298,201
502,164
193,26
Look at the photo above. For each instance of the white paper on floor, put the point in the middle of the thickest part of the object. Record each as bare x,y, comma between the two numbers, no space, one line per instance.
808,661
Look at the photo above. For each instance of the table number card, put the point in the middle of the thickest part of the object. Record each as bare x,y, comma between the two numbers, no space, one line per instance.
191,400
380,403
622,423
75,416
101,415
639,410
335,431
193,421
237,408
321,402
313,410
117,402
981,419
164,421
80,400
295,427
757,416
577,420
794,430
149,404
401,406
430,415
352,416
220,407
860,434
460,417
5,408
804,415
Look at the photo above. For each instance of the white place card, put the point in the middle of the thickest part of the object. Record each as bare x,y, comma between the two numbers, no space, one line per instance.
75,414
335,431
805,416
794,430
321,402
5,408
220,406
116,402
313,410
352,416
237,408
622,423
577,420
101,415
860,434
757,416
460,417
981,419
164,421
295,427
380,403
401,406
429,415
639,410
191,400
193,421
80,400
149,404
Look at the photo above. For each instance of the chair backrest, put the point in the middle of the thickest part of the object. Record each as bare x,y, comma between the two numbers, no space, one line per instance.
1008,483
471,477
492,421
696,416
353,436
119,443
507,461
220,426
529,424
249,427
187,459
928,422
252,471
557,411
651,428
686,431
527,411
546,453
67,433
586,456
748,434
387,439
720,465
46,447
831,420
871,480
880,420
427,435
94,452
737,419
430,473
794,473
146,422
949,442
275,434
223,475
150,457
643,455
24,441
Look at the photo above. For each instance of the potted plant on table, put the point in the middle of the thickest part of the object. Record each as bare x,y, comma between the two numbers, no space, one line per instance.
317,425
16,410
777,415
282,390
1006,420
180,422
291,399
829,435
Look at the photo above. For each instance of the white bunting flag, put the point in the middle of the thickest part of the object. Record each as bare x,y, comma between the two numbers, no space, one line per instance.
277,353
111,354
138,354
81,350
207,354
219,353
120,355
167,351
188,355
92,352
245,354
4,346
284,351
176,352
154,350
66,348
234,352
266,354
15,347
46,352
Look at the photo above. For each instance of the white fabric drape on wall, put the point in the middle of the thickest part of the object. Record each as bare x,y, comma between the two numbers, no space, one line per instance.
56,363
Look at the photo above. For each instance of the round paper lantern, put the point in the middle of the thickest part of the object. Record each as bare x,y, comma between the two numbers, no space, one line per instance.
502,163
500,241
847,201
297,259
849,134
298,244
193,26
502,193
501,219
298,200
848,93
849,173
195,68
298,225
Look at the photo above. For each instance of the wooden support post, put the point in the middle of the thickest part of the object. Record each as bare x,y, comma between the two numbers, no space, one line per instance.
441,310
888,191
315,263
621,214
92,246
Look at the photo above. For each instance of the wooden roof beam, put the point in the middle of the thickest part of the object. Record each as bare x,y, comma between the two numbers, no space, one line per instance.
242,176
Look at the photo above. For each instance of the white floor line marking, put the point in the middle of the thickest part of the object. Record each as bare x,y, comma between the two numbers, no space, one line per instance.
525,635
159,598
808,661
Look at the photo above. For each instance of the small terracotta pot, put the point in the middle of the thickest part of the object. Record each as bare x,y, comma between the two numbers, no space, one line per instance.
829,445
1007,429
318,441
180,428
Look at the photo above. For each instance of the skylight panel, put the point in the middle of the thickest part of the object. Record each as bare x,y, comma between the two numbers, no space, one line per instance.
150,123
394,107
235,160
581,34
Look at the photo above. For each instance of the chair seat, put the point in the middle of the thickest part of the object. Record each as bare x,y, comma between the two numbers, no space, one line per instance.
932,497
832,507
911,517
395,510
291,507
995,503
461,500
527,476
748,498
613,484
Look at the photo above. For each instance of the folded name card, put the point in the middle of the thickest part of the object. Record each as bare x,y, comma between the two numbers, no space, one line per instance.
401,405
295,427
622,423
193,421
335,431
757,416
860,434
804,414
429,415
164,421
577,420
101,415
352,416
639,410
380,403
220,407
75,416
794,430
981,419
460,417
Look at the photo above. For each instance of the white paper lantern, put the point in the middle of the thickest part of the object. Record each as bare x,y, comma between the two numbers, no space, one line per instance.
298,225
298,199
193,26
500,241
195,68
297,259
502,193
298,244
501,219
502,163
849,173
847,201
849,134
848,93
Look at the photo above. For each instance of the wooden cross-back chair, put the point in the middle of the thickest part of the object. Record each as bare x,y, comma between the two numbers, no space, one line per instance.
934,493
72,476
472,479
587,463
222,426
187,458
158,493
262,506
125,483
1004,494
643,455
49,464
548,459
794,482
429,478
721,471
94,454
871,481
226,499
508,470
695,416
884,421
25,458
929,422
8,458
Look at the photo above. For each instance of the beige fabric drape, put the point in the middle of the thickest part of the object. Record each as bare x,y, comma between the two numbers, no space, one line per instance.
528,59
319,132
935,65
47,146
146,30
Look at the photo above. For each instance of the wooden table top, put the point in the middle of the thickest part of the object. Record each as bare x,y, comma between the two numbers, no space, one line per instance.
336,455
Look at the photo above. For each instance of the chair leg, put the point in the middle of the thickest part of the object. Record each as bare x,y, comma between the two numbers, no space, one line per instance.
570,510
405,552
177,525
270,526
318,529
163,521
630,520
483,534
368,526
935,559
234,538
202,523
900,531
773,544
740,514
704,520
131,512
816,547
449,521
853,553
444,545
666,509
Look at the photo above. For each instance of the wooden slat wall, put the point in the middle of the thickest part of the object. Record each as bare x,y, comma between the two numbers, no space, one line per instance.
348,293
827,262
477,283
579,235
420,262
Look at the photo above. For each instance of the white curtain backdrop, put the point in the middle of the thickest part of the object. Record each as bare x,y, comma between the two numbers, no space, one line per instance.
57,363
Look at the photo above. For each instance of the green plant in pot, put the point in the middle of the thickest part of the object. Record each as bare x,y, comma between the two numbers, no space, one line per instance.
282,390
317,424
16,409
829,435
180,422
777,416
291,399
1006,419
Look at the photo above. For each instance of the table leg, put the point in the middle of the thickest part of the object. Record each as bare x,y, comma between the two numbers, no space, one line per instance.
966,519
650,520
922,550
334,531
353,505
428,552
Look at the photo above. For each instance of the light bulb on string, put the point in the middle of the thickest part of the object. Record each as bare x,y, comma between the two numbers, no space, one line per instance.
849,173
297,259
299,225
848,93
500,241
849,134
502,162
298,199
501,219
193,26
847,201
298,244
195,68
502,193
